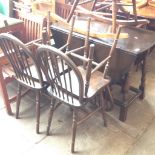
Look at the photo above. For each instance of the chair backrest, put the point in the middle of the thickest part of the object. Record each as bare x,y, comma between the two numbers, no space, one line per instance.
62,9
62,74
87,57
22,61
33,26
87,4
111,17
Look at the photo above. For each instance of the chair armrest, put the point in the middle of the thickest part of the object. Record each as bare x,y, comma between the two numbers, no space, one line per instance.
63,47
37,44
75,50
34,42
142,23
105,61
99,65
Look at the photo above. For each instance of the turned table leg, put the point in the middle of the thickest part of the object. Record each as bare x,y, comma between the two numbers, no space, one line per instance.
123,113
125,89
143,77
4,93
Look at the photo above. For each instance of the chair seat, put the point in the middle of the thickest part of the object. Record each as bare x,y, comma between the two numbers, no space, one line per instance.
24,66
8,72
37,84
97,82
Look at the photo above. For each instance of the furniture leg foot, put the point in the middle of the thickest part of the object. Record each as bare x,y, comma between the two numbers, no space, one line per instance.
123,113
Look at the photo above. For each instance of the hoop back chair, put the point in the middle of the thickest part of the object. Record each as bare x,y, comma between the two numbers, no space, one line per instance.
114,6
25,69
76,86
33,26
67,84
30,34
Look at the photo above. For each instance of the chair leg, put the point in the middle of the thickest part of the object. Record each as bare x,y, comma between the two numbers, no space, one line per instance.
18,100
111,98
103,109
4,93
50,116
37,111
74,127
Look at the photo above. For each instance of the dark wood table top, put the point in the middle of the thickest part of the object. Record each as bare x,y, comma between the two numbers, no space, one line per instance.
128,50
139,39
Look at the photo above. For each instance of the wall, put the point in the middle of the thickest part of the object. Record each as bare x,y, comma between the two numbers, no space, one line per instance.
6,7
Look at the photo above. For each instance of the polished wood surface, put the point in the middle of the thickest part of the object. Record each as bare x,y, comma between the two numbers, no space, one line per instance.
133,45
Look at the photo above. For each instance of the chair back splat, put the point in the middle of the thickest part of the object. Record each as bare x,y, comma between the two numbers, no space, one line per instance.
33,26
21,60
72,84
25,70
59,68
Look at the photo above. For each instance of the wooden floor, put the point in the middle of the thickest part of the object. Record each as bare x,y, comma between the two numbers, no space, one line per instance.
134,137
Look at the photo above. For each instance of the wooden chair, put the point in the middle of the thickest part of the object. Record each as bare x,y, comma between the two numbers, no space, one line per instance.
30,34
62,9
33,24
24,70
109,17
67,86
76,86
33,27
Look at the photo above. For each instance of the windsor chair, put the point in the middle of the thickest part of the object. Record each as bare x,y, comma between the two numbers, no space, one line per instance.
24,69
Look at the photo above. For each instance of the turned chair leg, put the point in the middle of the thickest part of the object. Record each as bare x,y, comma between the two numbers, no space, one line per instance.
37,111
74,127
50,116
103,109
18,100
4,92
111,104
